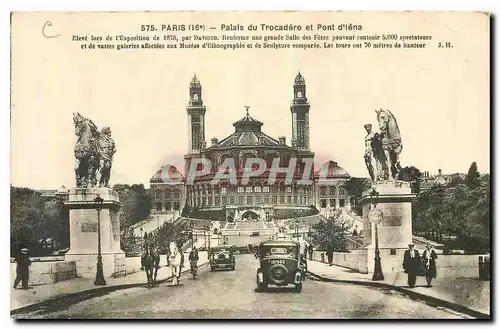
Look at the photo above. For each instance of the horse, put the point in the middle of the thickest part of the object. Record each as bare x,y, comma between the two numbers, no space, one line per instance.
391,142
149,262
85,149
156,263
175,260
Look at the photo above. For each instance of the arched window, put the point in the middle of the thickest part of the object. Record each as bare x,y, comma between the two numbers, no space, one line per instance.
333,190
322,190
341,191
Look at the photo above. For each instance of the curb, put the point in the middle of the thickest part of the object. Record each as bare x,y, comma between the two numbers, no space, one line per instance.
92,292
412,294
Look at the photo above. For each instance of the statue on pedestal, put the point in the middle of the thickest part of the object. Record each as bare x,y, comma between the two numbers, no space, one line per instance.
94,151
382,149
391,142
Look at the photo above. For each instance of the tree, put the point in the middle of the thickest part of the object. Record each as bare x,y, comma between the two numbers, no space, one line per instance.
413,175
128,242
472,178
333,232
25,215
355,188
136,204
54,222
460,212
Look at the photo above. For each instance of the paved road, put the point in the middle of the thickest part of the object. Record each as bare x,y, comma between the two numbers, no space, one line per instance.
227,294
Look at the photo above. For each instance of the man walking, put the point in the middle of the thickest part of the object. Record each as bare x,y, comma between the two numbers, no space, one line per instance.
429,257
329,253
411,263
22,269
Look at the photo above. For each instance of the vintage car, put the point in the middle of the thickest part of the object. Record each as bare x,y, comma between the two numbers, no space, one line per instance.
221,257
279,265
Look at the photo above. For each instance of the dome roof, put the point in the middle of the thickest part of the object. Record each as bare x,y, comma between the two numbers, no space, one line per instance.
334,170
299,79
247,123
167,173
195,82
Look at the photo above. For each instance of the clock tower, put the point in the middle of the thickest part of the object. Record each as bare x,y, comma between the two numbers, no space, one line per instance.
300,115
196,117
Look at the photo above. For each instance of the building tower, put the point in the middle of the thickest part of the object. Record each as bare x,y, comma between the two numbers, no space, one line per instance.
196,117
300,115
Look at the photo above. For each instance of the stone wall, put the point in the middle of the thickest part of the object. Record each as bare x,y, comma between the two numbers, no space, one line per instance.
44,272
447,265
355,260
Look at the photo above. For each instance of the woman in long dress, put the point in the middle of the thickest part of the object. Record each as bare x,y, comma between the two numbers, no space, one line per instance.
429,258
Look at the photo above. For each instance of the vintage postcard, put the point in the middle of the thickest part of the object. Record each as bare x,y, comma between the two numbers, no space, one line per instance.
250,165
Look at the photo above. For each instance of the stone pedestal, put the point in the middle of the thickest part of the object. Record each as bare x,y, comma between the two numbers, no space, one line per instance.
395,230
83,232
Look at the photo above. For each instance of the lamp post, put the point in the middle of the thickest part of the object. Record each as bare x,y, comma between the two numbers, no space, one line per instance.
192,235
375,216
99,277
142,242
296,228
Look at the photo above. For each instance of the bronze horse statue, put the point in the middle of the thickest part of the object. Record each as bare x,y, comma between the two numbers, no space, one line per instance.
85,150
391,143
94,151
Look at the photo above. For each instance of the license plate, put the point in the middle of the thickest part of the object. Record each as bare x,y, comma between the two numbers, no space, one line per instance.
277,261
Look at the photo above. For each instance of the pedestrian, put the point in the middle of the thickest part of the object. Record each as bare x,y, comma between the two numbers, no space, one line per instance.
310,252
429,258
193,258
329,254
411,262
22,268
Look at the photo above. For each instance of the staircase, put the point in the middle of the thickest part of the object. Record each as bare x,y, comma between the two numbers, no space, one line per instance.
152,224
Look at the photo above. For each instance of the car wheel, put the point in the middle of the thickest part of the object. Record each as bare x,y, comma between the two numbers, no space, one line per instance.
298,287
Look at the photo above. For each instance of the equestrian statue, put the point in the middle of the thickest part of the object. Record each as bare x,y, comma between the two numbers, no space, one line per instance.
94,151
382,149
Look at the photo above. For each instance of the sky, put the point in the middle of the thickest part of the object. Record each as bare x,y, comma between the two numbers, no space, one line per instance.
440,98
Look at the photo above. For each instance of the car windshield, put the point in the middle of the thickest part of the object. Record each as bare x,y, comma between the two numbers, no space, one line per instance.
281,251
